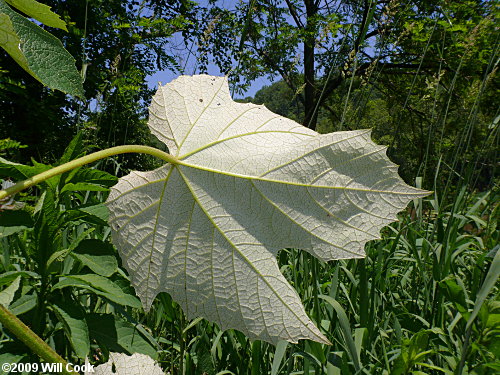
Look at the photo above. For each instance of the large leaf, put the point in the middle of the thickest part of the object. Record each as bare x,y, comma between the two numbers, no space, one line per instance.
37,51
40,12
249,182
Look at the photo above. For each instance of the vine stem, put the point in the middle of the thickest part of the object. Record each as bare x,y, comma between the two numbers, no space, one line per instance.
9,320
86,160
32,340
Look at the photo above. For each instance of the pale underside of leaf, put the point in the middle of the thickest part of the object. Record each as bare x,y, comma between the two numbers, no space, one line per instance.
250,183
123,364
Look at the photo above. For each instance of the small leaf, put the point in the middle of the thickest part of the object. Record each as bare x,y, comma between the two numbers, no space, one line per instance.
96,214
456,294
98,255
82,186
122,364
248,183
75,326
93,176
18,171
7,295
24,304
7,277
73,150
117,335
40,12
98,210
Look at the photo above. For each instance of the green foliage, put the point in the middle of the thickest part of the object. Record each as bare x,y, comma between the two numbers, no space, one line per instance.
70,278
35,50
117,44
405,309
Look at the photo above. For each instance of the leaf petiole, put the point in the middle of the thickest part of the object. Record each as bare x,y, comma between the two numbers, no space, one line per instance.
86,160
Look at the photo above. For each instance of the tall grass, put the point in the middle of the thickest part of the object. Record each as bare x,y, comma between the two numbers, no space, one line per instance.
404,309
423,301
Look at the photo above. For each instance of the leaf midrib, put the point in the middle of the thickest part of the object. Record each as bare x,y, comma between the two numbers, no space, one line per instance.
188,185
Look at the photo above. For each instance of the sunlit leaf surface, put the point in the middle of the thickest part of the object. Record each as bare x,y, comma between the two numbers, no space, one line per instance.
250,182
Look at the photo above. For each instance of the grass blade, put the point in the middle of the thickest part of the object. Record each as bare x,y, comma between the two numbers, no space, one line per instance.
346,330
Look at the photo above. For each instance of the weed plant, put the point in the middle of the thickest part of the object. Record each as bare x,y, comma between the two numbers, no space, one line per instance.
423,301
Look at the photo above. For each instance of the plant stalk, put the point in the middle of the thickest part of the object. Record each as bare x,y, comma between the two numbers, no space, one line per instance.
9,320
31,340
86,160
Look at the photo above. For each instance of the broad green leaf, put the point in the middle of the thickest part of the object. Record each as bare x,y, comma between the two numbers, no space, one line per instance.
135,364
98,255
24,304
40,12
249,183
38,52
75,326
18,171
8,277
118,335
98,210
101,286
97,214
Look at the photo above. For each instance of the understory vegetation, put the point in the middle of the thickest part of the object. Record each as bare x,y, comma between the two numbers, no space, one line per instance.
423,75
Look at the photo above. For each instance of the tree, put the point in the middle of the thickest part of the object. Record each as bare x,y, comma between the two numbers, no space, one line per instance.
117,45
341,57
328,41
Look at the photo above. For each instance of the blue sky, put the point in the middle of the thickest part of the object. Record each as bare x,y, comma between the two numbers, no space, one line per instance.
187,59
167,76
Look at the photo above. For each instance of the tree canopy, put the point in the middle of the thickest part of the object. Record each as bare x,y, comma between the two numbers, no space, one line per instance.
421,74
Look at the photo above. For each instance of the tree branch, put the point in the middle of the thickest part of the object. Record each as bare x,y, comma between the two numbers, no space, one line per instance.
294,14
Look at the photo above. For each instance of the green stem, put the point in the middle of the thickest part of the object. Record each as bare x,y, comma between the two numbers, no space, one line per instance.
9,320
86,160
31,340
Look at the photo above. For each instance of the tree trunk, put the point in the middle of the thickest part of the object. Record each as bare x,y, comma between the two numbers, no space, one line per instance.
311,115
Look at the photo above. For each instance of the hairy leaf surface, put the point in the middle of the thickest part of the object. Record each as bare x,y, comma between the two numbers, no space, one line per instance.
249,183
37,51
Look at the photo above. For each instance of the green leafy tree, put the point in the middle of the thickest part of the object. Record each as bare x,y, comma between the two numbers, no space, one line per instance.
422,76
116,45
